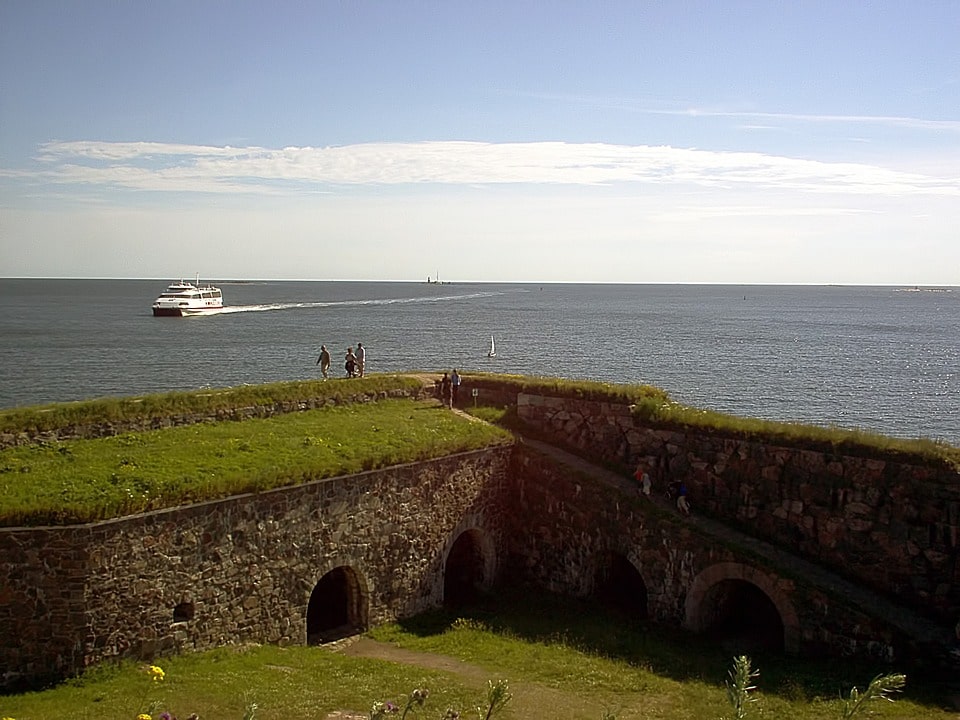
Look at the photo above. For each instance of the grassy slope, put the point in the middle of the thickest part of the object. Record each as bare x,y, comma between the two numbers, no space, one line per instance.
656,408
164,405
563,659
84,480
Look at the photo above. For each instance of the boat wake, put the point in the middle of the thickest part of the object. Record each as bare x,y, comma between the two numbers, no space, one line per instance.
267,307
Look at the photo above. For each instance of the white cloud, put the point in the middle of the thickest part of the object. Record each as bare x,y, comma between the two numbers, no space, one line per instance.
876,120
198,168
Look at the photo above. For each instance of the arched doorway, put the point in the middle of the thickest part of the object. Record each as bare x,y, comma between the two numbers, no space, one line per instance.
741,617
743,607
337,607
464,574
619,585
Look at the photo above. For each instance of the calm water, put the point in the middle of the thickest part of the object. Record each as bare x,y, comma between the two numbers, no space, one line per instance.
878,358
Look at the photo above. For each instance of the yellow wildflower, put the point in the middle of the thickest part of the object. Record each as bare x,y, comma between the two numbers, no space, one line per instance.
156,672
144,716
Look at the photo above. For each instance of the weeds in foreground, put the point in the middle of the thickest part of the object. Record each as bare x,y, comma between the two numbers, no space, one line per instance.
879,688
498,695
739,686
741,675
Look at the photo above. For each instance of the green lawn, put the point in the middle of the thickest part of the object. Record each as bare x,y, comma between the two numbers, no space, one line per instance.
85,480
562,659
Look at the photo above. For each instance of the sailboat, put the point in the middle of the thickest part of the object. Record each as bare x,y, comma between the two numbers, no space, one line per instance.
493,348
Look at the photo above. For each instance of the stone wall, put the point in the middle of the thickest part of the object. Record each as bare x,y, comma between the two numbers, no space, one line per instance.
245,569
561,527
240,569
884,522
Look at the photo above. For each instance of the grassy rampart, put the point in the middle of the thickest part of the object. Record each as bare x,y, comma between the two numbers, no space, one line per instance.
86,480
658,409
123,472
119,411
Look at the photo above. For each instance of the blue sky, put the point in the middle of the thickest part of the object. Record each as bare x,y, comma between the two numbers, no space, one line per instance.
729,142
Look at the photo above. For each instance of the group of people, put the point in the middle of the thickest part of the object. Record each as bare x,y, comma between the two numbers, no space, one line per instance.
449,388
676,489
353,362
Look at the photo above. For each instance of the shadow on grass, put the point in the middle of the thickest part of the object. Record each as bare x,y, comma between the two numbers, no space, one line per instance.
536,616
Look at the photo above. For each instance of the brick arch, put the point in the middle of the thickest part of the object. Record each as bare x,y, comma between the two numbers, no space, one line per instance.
618,580
470,551
765,582
338,604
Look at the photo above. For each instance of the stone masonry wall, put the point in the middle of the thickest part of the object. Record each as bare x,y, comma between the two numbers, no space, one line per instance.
247,565
889,524
560,527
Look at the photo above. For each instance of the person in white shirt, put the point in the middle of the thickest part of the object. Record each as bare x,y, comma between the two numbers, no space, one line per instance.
454,386
361,358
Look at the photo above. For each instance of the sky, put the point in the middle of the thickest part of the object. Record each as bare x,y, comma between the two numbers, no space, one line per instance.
676,141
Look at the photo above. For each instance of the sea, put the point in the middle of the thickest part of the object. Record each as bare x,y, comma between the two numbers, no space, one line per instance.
882,359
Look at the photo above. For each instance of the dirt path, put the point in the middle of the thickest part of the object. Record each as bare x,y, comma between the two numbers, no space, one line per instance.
529,698
367,648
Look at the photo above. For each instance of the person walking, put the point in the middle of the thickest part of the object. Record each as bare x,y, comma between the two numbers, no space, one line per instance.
643,480
682,505
324,361
445,389
361,358
454,387
350,363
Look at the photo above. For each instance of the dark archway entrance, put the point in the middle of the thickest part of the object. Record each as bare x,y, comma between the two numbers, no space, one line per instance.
618,585
741,617
337,607
463,575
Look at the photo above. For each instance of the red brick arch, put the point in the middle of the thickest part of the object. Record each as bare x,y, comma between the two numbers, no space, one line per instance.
771,585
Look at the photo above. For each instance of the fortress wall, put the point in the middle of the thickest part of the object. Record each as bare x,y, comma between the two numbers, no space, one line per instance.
237,570
42,583
890,524
244,568
560,527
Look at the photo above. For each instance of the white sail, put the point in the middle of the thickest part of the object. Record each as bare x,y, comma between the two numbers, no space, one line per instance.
493,348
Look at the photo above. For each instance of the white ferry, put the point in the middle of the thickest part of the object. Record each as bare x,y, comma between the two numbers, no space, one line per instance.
183,299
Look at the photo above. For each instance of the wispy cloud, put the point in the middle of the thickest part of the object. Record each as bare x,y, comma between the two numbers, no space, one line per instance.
879,120
770,119
199,168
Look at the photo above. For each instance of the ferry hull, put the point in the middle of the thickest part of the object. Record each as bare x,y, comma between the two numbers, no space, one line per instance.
185,312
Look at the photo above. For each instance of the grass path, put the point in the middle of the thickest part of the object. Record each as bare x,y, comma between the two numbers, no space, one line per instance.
530,699
369,648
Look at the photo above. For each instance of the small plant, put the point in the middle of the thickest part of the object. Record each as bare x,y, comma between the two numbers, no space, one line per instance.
878,689
739,686
498,695
415,699
156,674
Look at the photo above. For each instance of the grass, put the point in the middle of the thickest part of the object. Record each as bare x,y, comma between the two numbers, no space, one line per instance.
853,441
41,418
655,407
297,683
563,659
86,480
